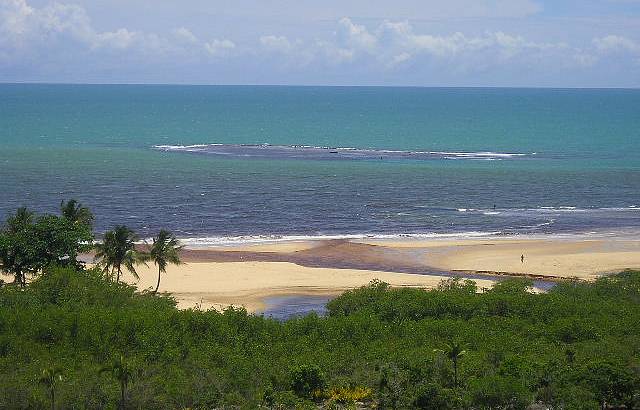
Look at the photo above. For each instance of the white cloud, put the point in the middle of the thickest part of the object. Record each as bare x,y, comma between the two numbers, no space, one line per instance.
583,59
57,35
393,43
329,53
355,36
120,39
401,58
280,44
613,43
184,34
219,47
25,31
13,17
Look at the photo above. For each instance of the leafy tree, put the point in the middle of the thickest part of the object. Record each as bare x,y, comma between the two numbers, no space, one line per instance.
495,392
14,256
612,384
118,250
513,286
389,387
458,285
20,220
17,253
49,378
59,241
29,244
454,352
164,250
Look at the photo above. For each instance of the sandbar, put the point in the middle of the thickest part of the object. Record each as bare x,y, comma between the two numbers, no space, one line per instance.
246,275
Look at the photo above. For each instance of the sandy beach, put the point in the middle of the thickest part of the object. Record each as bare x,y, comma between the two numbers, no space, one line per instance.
247,284
554,258
247,275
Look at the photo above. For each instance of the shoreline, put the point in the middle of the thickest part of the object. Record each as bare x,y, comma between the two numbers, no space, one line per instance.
278,242
546,257
247,275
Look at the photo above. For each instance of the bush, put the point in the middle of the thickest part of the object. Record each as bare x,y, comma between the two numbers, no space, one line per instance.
345,395
307,381
495,392
432,396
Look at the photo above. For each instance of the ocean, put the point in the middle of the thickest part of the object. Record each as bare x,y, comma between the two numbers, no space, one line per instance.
235,164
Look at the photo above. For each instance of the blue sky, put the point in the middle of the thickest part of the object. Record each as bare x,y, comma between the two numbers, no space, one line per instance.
588,43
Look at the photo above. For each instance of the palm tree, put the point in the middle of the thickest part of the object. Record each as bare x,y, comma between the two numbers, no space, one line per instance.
74,212
49,377
453,352
123,371
165,250
118,249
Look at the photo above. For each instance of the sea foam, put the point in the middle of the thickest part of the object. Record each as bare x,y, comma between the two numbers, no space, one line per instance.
267,239
331,153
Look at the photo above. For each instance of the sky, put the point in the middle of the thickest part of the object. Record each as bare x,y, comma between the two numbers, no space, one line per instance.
480,43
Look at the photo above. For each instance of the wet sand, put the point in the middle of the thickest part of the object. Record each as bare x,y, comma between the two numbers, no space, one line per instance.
554,258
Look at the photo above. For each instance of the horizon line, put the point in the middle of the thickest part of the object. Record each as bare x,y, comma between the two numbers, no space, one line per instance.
323,85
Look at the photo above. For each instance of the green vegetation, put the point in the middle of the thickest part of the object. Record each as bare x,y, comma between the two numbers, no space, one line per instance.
29,244
75,338
164,250
118,250
50,376
455,353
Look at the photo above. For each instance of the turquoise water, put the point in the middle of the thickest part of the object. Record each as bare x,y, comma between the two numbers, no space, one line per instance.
574,166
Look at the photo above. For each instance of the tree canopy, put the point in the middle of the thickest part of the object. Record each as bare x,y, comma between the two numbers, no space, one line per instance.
377,346
30,243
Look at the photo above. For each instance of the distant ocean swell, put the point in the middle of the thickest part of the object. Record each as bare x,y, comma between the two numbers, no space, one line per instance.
333,153
533,232
549,210
445,223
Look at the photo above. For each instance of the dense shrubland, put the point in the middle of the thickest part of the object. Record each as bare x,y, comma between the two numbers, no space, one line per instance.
574,347
78,337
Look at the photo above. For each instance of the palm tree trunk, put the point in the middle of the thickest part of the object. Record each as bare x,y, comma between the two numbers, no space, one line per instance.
455,373
118,275
123,387
18,279
158,284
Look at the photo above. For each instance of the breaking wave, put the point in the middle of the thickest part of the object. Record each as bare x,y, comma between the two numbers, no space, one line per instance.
333,153
266,239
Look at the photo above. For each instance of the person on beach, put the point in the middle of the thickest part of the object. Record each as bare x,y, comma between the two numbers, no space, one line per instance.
522,258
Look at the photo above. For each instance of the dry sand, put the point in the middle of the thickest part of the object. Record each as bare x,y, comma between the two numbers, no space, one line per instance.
245,276
587,259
